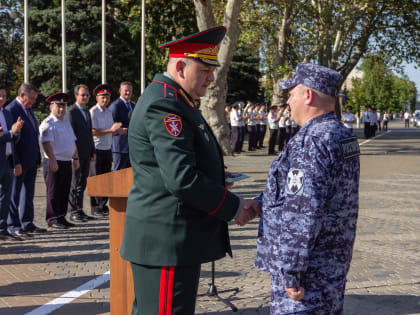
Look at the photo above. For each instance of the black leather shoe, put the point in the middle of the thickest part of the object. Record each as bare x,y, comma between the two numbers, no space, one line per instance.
98,213
20,234
34,229
67,223
78,218
58,225
9,237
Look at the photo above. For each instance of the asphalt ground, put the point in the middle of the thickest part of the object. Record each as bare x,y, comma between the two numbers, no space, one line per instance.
384,277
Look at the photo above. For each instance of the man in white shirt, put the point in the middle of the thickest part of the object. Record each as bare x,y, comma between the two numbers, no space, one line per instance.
60,153
273,129
252,130
367,119
235,120
103,127
407,117
348,118
262,126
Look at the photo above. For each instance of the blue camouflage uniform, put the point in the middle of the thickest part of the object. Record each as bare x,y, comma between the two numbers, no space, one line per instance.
308,219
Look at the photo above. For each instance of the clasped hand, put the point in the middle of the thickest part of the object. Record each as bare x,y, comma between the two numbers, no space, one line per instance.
250,209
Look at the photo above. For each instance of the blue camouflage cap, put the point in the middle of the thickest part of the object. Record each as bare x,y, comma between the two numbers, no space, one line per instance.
317,77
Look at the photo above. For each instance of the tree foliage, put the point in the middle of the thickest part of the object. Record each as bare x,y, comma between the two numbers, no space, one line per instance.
381,89
11,42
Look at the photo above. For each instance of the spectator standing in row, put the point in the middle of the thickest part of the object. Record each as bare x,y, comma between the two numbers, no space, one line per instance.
252,129
121,110
385,120
282,126
80,120
348,118
28,159
103,127
273,128
242,124
367,118
60,152
407,117
9,135
235,122
379,119
262,126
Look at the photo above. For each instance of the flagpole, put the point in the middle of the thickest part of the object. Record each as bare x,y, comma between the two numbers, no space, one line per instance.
63,45
103,42
25,42
143,50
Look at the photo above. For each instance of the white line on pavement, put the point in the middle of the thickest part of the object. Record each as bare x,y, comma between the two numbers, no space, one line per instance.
70,296
369,140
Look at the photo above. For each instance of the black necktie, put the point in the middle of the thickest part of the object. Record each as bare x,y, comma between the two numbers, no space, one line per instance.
86,114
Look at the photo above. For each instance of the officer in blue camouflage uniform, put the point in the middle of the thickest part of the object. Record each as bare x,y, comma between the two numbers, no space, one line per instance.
310,203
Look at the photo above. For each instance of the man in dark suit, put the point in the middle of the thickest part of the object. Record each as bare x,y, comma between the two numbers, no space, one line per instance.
80,120
121,110
179,205
9,135
21,214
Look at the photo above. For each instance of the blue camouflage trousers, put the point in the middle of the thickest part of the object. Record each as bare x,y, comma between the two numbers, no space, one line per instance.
327,300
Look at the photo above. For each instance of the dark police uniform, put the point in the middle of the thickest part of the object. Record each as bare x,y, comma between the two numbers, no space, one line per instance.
309,211
178,207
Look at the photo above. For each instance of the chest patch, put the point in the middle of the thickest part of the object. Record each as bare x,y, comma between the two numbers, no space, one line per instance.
349,147
295,181
173,124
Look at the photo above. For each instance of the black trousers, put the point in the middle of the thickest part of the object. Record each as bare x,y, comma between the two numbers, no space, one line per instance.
282,138
165,290
241,137
367,130
252,133
103,165
385,125
261,135
78,186
272,141
58,188
235,139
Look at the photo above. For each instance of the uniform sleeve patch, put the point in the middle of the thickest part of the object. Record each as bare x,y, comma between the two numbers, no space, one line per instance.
349,147
295,181
173,124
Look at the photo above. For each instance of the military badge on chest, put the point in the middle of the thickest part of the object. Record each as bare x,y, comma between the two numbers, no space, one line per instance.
295,181
173,124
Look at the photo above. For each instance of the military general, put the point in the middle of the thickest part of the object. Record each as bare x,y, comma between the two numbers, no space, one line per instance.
310,203
178,206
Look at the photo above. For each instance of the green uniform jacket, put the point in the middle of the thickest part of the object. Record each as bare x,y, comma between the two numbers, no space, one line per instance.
178,207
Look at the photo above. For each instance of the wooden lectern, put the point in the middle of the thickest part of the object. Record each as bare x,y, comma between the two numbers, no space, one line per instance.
116,186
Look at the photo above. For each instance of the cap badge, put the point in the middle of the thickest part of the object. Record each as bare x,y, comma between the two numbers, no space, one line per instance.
173,124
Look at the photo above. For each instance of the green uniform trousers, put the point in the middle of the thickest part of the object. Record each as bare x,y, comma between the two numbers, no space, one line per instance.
165,290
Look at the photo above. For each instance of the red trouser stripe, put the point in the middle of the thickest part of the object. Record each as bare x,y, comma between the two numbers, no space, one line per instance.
166,290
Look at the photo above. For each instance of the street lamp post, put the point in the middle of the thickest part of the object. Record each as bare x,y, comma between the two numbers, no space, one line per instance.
25,42
103,42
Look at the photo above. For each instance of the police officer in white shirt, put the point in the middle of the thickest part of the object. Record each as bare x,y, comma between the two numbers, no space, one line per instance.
103,127
282,126
367,118
252,129
60,152
348,118
235,122
273,128
262,126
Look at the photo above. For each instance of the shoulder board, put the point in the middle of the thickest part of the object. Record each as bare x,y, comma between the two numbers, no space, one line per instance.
349,147
168,90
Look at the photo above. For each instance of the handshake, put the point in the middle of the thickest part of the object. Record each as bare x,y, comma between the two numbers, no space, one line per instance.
249,210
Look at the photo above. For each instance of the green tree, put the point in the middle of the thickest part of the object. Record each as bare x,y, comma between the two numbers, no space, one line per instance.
244,76
83,38
11,42
381,89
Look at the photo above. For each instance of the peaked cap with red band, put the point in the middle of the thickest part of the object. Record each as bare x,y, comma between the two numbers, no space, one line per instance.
58,99
202,46
102,89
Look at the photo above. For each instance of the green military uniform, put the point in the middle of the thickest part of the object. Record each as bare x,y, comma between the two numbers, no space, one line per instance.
178,207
